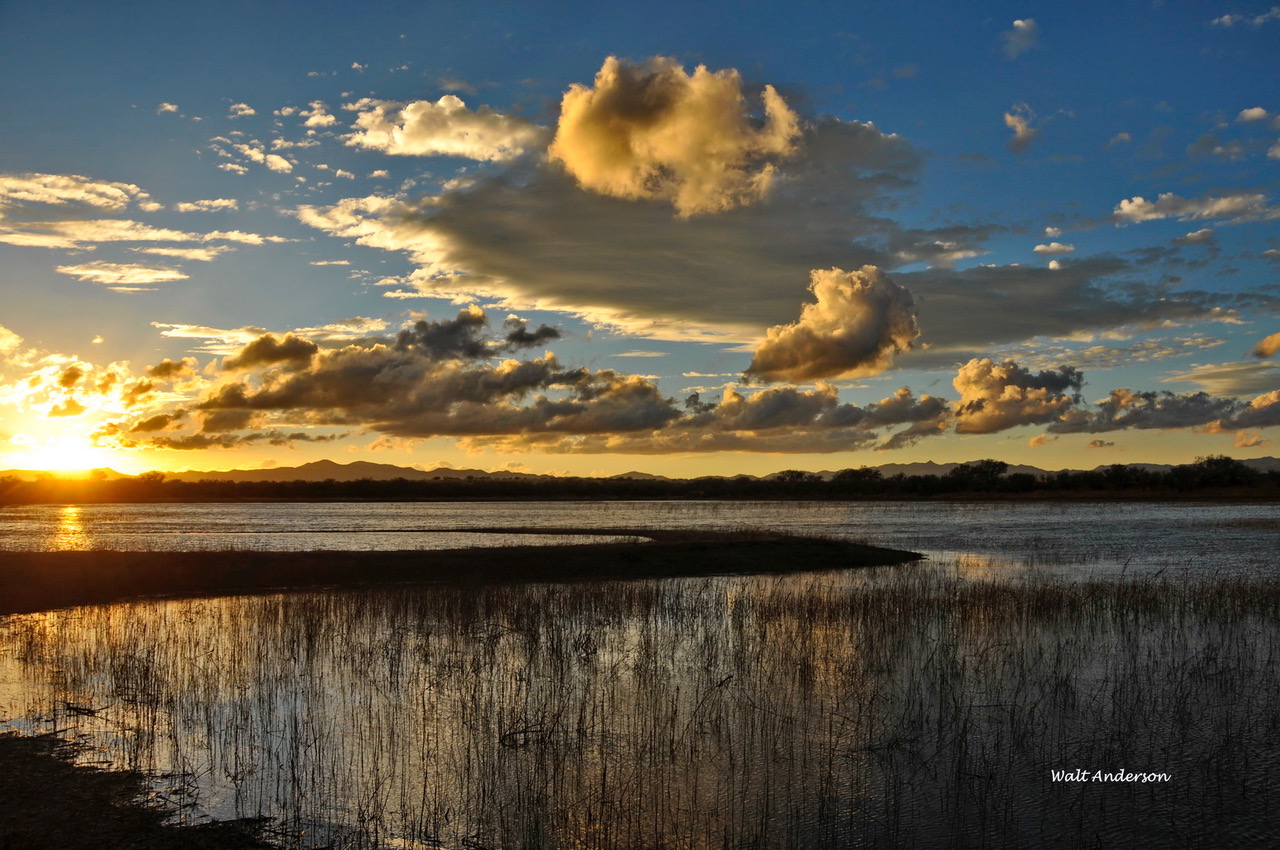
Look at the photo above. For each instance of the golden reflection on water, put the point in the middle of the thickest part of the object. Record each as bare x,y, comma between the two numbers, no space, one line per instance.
70,532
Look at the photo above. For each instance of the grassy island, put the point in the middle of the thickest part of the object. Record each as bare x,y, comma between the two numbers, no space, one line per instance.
37,581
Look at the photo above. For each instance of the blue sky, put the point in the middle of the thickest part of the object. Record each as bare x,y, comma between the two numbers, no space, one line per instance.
687,239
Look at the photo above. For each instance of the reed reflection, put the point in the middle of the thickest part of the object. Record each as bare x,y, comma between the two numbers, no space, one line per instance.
877,707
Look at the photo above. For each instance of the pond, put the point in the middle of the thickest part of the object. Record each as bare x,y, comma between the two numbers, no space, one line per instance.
929,704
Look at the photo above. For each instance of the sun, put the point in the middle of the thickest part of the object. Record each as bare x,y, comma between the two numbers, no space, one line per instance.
67,453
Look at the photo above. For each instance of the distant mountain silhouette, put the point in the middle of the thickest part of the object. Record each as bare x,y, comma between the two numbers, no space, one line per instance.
324,470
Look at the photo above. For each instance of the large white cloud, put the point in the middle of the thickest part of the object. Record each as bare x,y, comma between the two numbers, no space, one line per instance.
859,321
443,128
652,131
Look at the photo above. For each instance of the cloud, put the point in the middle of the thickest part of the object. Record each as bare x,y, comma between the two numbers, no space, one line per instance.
203,255
783,419
996,396
1040,354
1203,236
1235,207
1040,440
255,152
967,312
240,110
266,350
1125,409
1099,444
443,128
1230,379
532,240
1267,347
123,277
1230,20
1256,113
654,132
209,205
216,340
466,337
64,189
83,233
1023,37
9,342
172,369
1018,119
859,321
1054,248
1245,440
318,115
166,107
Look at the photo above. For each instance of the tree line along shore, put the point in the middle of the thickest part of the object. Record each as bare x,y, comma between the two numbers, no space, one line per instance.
1209,477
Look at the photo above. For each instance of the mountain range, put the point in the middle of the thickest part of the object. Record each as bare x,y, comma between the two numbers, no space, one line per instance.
324,470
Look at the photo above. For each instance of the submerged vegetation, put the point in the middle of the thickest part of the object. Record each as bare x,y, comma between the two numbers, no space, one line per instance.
888,706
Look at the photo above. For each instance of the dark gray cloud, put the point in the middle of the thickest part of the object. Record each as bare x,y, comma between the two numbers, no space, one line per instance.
267,350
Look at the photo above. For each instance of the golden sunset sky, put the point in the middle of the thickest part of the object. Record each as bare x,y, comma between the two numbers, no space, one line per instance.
685,239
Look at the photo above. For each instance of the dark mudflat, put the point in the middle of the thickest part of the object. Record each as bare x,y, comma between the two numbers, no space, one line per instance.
39,581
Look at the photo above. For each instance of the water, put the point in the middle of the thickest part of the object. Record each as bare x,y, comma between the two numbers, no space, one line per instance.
1190,540
924,705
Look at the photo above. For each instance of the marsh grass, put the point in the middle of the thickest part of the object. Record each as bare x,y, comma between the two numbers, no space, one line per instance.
901,706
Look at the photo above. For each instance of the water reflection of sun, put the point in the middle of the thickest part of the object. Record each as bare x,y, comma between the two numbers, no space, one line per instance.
70,532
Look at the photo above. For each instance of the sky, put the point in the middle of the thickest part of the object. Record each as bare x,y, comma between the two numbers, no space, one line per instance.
686,239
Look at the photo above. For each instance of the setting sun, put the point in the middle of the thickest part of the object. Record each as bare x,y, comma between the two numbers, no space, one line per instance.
69,453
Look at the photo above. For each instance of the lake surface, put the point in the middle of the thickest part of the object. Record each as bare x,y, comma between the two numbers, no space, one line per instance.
1096,538
924,705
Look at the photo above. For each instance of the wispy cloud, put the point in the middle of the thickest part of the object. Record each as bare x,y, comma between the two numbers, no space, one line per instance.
123,277
1024,36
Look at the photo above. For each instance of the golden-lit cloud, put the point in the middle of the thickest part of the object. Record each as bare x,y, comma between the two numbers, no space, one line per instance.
85,233
318,115
443,128
1231,378
1238,207
203,255
1267,346
9,342
859,320
1018,119
654,132
123,277
64,189
996,396
256,152
208,205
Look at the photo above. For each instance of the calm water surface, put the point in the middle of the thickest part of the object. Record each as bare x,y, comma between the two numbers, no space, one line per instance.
879,707
1096,538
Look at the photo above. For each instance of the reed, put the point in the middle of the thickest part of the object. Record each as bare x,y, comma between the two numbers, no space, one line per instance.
884,706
